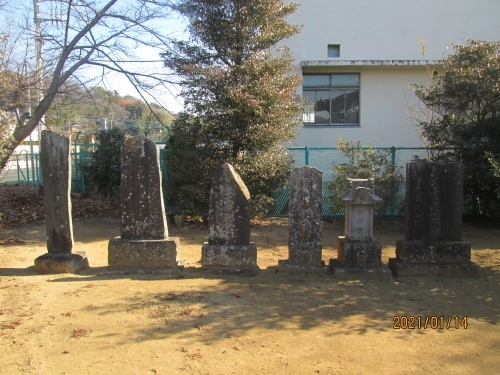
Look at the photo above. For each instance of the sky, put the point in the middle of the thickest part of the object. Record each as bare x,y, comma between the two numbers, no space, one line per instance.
168,97
49,9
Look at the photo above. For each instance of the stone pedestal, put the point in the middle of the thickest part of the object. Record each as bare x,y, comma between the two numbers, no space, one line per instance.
304,222
230,259
359,259
432,258
433,231
61,263
228,249
358,255
144,243
306,259
143,254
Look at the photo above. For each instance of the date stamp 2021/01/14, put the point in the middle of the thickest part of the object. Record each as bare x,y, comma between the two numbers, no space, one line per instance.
429,322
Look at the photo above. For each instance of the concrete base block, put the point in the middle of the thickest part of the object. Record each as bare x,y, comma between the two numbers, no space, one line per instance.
230,259
127,254
400,269
285,265
379,273
61,263
359,254
415,251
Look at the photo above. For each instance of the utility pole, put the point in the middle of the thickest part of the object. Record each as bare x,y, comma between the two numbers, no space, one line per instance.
38,62
38,50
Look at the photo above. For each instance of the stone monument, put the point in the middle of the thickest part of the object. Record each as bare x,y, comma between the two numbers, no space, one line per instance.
144,243
229,249
433,243
56,174
358,254
304,222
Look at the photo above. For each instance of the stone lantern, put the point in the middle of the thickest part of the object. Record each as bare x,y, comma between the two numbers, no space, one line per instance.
358,255
359,200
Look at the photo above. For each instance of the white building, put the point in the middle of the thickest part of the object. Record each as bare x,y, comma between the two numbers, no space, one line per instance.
358,59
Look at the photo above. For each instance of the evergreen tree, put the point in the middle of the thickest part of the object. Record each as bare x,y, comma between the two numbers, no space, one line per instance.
240,98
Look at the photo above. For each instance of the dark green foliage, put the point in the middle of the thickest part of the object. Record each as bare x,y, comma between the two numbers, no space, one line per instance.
102,168
494,161
240,98
366,162
464,104
191,161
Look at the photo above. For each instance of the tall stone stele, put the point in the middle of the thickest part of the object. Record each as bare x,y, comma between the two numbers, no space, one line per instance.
55,162
144,243
358,254
304,222
433,243
229,249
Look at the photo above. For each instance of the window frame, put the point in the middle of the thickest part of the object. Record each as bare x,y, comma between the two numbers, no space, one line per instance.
331,88
333,51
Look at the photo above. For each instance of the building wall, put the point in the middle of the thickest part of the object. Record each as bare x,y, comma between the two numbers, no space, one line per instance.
388,33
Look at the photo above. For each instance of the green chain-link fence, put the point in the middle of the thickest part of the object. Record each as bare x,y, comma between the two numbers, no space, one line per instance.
325,159
24,169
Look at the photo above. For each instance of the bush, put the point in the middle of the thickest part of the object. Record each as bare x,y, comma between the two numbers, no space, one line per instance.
366,162
494,161
102,168
192,159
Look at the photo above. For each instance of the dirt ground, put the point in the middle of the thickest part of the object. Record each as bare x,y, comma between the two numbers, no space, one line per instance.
275,323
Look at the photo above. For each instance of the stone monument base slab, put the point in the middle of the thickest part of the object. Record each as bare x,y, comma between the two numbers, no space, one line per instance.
379,273
128,254
414,251
61,263
285,265
401,269
230,259
359,254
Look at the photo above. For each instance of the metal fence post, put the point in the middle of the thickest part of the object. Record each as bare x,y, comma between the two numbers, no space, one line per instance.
307,155
393,189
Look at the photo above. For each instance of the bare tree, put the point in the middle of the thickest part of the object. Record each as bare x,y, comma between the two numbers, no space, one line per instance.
82,34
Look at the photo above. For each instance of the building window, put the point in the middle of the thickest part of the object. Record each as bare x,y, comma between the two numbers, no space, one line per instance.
331,99
334,50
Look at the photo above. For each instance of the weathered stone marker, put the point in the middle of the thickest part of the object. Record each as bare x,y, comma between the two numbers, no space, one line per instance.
304,222
229,249
144,243
358,254
433,243
56,173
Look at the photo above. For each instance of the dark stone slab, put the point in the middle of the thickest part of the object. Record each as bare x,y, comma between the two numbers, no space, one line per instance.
284,265
304,217
234,271
339,272
359,254
143,212
56,173
433,251
434,193
143,254
61,263
400,269
229,209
